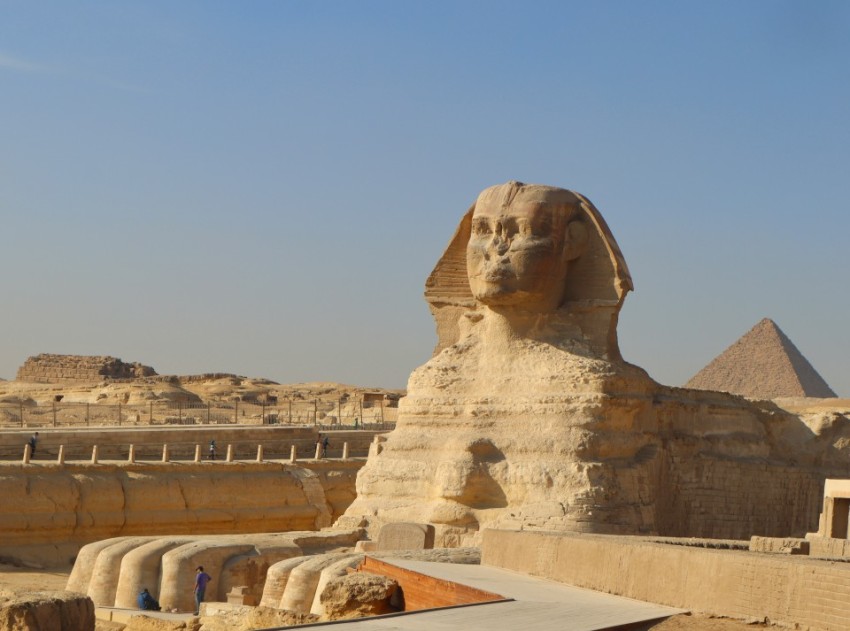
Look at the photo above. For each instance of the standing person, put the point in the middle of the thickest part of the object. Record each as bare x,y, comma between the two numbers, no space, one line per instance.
325,444
212,450
201,580
33,443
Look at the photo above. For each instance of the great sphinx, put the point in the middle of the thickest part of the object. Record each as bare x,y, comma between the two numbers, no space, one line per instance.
527,415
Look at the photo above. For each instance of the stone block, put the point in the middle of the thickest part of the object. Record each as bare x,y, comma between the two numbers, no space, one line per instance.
406,536
779,545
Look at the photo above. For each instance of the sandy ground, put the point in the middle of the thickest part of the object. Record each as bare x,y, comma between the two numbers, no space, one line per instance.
12,577
55,579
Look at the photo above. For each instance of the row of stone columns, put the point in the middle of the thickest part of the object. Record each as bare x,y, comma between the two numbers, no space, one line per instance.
131,456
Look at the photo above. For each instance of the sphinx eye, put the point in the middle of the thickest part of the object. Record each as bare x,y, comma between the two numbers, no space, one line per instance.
480,227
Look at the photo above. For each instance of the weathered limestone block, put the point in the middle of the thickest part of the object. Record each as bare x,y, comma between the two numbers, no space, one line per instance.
358,595
333,571
249,618
528,417
406,536
45,611
779,545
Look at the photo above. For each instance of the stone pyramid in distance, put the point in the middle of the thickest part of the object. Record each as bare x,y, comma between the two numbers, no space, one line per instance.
762,364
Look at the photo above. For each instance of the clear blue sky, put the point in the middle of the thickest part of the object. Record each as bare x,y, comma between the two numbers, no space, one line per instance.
263,187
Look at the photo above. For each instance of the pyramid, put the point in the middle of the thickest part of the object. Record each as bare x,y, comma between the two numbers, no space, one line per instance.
762,364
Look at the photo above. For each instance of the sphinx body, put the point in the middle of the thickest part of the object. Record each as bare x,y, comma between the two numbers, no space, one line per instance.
527,416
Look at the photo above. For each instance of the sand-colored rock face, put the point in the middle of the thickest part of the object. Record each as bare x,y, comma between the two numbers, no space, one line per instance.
528,417
58,509
45,611
47,368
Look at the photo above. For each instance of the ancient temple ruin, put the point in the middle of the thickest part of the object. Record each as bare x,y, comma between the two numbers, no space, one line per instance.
49,368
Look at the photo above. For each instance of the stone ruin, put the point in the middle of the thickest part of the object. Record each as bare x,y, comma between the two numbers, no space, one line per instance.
49,368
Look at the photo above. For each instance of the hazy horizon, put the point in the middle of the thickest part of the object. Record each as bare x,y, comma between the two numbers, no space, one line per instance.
263,188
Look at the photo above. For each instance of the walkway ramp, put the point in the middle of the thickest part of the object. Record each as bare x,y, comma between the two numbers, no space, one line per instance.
536,605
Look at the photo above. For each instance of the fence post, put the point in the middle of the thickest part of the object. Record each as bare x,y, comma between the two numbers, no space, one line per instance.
22,414
54,414
236,411
179,412
229,457
315,411
382,412
94,454
61,458
259,453
150,417
208,412
290,411
263,413
339,412
345,451
361,408
87,415
318,450
197,453
165,452
292,453
131,456
27,453
119,415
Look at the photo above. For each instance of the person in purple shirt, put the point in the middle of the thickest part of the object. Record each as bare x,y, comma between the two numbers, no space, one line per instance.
201,580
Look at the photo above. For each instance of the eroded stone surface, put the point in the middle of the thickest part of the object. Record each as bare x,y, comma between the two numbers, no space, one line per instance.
45,611
358,595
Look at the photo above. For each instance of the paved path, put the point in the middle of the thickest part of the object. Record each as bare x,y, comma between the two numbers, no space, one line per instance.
538,605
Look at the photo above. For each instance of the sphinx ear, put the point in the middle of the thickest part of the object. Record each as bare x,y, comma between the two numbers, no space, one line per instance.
577,240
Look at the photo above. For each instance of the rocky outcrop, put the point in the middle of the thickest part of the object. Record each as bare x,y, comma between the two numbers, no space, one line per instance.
528,417
45,611
358,595
48,368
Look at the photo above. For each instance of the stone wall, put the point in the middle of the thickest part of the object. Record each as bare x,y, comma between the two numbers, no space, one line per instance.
49,512
114,443
786,590
48,368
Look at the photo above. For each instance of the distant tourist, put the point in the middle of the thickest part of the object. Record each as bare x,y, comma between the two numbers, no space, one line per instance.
147,602
325,444
33,443
212,450
201,580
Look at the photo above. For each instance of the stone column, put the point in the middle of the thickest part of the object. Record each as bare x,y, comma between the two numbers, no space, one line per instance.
259,453
345,451
131,457
27,454
229,457
60,459
94,454
165,452
292,452
197,453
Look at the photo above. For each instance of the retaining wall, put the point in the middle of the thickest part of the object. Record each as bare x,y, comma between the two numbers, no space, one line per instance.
787,590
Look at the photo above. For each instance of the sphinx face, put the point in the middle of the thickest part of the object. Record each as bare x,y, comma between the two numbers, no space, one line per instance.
517,253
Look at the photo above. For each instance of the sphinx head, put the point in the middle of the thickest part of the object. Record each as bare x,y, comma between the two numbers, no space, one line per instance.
522,240
537,250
